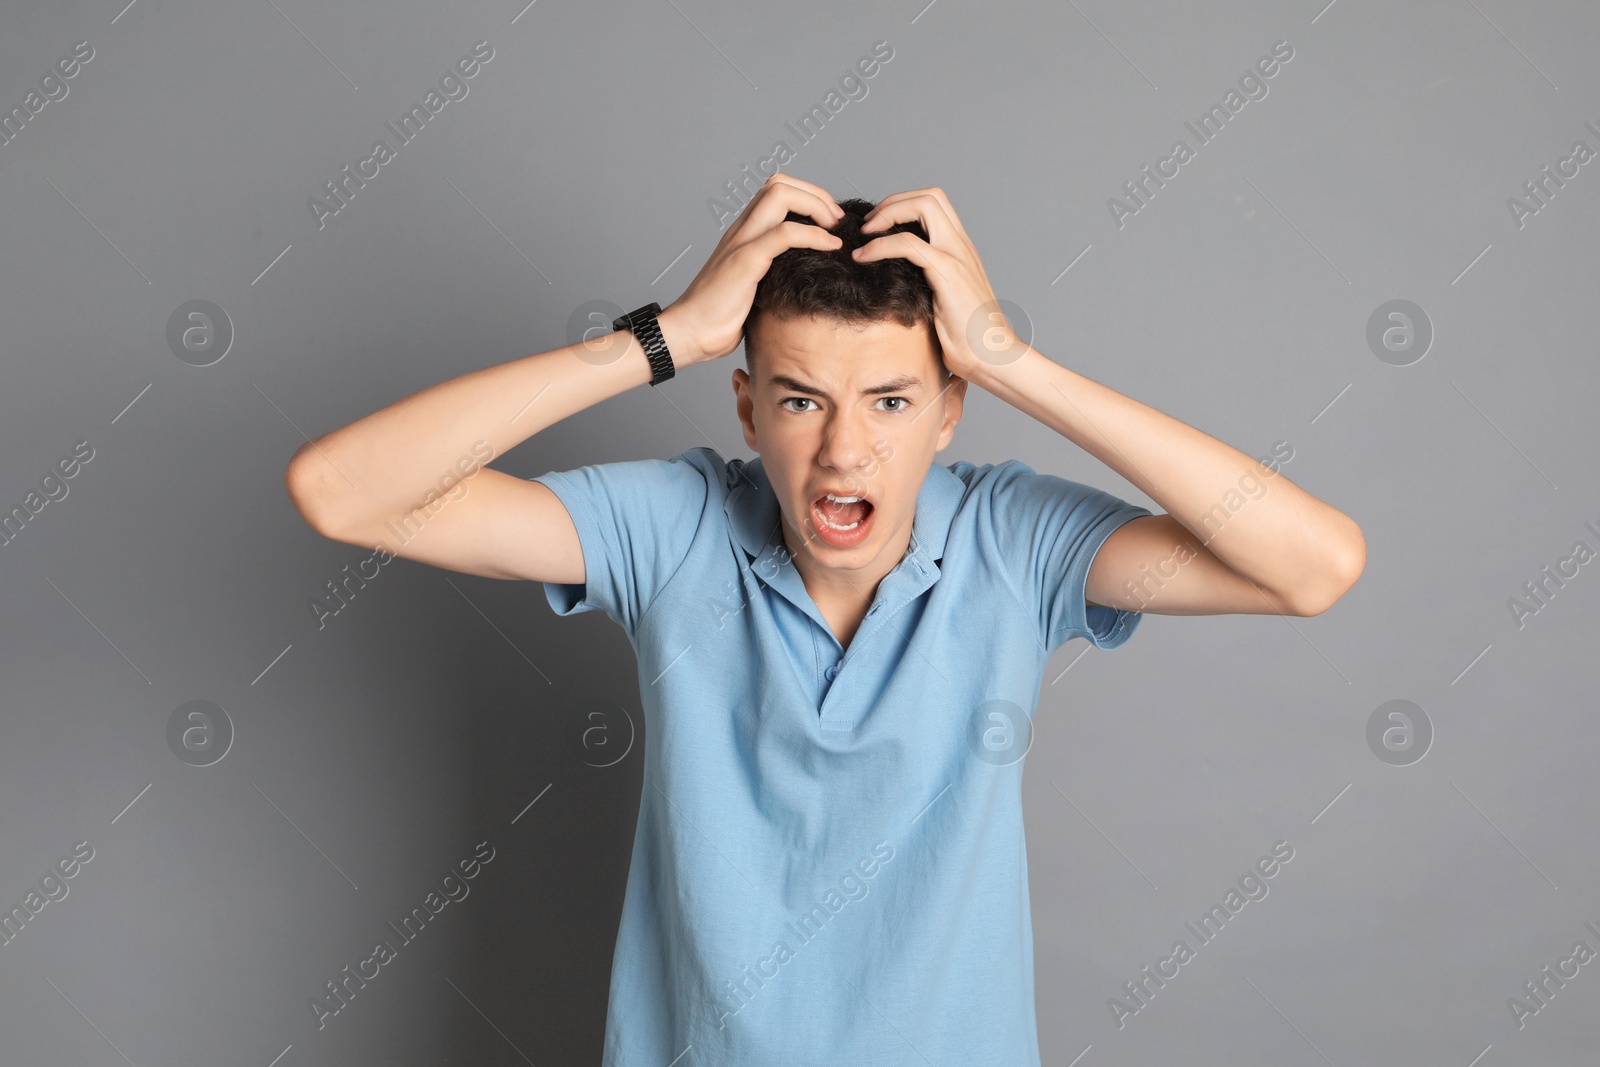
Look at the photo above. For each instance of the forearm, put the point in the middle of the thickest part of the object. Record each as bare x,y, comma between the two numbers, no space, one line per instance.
1257,522
386,462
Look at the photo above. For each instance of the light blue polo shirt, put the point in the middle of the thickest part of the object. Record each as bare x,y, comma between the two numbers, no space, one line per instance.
829,863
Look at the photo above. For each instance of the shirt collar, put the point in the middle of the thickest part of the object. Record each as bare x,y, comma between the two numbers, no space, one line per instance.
753,512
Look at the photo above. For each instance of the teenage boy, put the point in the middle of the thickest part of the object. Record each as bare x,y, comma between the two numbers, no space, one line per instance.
840,643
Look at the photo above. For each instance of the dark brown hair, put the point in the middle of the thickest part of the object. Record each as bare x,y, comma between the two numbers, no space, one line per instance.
829,284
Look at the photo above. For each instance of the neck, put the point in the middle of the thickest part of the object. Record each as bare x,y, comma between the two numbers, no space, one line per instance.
827,581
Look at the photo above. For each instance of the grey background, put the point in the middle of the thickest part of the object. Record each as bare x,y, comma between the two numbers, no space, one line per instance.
433,710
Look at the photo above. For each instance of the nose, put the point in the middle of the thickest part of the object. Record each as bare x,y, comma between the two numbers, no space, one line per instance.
846,446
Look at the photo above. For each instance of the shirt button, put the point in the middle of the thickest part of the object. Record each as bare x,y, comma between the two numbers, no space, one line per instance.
832,672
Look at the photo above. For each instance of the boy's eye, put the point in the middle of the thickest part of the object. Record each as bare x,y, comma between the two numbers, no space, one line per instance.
900,403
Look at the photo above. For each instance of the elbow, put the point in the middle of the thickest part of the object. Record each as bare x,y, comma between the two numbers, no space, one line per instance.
305,484
294,485
1338,576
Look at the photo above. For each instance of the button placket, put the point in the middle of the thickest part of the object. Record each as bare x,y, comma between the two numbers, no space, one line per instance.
919,574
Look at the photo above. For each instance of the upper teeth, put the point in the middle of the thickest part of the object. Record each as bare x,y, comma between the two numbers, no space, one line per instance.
842,499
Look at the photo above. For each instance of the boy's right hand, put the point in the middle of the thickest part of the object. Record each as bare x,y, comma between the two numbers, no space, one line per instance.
710,314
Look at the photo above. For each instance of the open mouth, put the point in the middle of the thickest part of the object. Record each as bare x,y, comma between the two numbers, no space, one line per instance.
841,519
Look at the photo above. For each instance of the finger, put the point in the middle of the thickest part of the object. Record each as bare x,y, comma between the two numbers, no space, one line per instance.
783,193
771,206
810,187
942,231
792,234
896,204
933,191
906,246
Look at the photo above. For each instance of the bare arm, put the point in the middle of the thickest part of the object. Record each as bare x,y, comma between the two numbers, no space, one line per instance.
1215,551
1287,553
411,477
386,463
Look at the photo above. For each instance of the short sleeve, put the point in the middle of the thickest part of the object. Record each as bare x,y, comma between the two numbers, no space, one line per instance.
636,521
1050,529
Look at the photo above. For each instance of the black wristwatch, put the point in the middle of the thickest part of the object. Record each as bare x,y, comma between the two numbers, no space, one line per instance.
642,322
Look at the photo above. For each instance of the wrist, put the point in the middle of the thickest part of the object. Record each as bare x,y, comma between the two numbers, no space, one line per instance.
680,341
992,377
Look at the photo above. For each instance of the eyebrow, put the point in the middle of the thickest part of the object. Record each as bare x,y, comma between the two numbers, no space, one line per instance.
900,384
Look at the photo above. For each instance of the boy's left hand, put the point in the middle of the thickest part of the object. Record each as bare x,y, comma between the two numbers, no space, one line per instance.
967,318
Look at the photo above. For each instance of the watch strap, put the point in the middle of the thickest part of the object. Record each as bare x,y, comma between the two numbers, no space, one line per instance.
645,327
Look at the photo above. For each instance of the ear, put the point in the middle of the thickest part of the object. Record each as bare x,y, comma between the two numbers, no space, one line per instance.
953,398
744,404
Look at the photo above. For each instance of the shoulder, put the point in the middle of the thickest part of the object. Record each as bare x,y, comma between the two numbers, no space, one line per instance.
720,473
656,493
690,469
989,478
1013,501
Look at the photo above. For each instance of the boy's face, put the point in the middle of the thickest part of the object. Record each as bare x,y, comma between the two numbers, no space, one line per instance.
820,417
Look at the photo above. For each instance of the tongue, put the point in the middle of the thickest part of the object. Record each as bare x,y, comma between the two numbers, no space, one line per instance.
843,514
